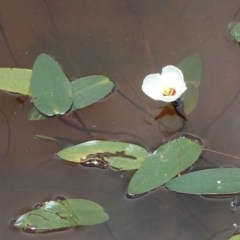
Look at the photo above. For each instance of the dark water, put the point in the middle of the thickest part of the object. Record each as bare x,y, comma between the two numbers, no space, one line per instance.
124,40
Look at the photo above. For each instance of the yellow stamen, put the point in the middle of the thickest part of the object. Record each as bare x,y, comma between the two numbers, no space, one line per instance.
169,91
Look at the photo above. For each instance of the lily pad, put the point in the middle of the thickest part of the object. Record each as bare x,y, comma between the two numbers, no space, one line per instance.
208,181
163,164
61,214
16,80
235,31
235,237
50,88
191,67
118,155
90,89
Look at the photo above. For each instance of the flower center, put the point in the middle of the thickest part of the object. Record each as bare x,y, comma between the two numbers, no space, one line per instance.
169,91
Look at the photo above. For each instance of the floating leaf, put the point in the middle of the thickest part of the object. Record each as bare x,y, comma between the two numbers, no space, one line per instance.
16,80
235,31
165,163
191,67
209,181
235,237
50,88
119,155
61,214
90,89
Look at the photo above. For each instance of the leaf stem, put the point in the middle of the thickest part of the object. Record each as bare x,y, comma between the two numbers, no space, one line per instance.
221,153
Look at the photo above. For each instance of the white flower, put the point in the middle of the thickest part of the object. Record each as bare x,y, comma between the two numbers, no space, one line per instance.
167,87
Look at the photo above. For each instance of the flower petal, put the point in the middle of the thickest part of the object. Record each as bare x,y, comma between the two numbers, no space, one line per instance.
167,87
173,77
151,84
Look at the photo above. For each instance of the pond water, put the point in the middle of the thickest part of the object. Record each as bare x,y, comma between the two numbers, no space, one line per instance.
124,40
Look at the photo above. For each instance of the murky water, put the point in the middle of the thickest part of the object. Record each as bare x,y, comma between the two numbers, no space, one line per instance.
124,40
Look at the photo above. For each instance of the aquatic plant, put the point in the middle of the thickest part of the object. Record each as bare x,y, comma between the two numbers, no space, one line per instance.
61,214
235,31
106,154
167,86
50,89
235,237
53,94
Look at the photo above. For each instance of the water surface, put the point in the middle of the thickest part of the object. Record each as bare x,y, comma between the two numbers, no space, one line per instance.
124,40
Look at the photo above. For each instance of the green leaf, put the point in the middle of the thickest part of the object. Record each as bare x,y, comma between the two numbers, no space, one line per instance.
235,31
119,155
50,88
165,163
235,237
61,214
86,91
90,89
209,181
16,80
191,67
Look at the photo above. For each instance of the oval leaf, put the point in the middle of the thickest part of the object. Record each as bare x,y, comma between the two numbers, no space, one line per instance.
50,88
61,214
191,67
119,155
16,80
235,237
87,212
235,31
165,163
90,89
209,181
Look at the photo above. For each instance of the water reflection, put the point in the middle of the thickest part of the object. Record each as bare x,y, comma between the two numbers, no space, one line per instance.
235,203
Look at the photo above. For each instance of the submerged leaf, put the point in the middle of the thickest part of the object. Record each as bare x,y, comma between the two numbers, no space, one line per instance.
61,214
191,67
90,89
165,163
16,80
209,181
34,115
50,88
118,155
